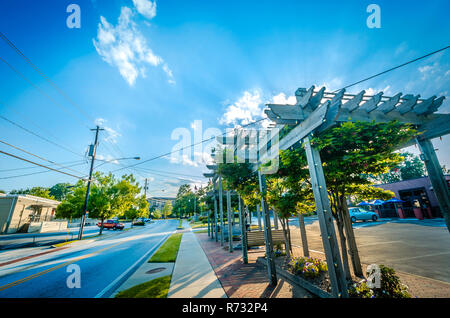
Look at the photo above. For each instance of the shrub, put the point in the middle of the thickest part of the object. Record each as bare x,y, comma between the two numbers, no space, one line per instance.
390,286
278,253
360,290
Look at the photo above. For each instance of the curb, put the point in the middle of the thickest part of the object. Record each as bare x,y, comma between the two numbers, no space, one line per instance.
113,286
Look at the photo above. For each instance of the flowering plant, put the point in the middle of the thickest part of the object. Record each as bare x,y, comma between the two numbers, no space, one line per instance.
308,267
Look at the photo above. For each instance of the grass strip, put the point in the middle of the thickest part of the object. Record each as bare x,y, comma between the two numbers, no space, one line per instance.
156,288
167,253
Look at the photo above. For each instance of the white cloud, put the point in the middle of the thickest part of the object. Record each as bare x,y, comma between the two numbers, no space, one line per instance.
332,85
146,7
248,108
183,159
112,134
124,47
425,68
281,99
429,70
200,159
374,91
107,158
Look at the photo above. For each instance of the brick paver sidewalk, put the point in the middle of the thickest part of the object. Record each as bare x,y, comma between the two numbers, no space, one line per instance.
250,280
245,280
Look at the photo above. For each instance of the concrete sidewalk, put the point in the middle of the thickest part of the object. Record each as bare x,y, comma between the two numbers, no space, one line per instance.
193,276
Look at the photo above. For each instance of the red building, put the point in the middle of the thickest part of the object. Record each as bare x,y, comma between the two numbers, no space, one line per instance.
418,195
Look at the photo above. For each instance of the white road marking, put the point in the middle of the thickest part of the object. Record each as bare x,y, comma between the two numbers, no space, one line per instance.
421,256
378,243
111,285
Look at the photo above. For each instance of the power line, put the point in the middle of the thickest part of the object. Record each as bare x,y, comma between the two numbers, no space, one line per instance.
37,135
393,68
41,91
189,146
171,176
39,172
28,168
38,164
358,82
60,91
167,172
32,154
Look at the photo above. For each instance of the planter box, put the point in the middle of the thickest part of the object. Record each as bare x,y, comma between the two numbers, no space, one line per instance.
297,280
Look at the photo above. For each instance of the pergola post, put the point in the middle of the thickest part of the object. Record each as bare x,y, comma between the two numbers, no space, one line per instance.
243,232
267,231
436,176
221,211
335,269
209,231
215,212
301,225
353,248
275,220
258,212
230,223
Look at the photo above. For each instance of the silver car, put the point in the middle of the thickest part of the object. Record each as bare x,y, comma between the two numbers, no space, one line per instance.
361,214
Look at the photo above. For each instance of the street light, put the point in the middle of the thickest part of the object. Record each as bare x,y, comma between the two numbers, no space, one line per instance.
83,217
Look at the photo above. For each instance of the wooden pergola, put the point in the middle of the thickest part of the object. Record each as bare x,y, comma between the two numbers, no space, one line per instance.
316,111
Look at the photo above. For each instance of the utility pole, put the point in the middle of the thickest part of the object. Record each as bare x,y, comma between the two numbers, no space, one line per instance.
145,189
92,151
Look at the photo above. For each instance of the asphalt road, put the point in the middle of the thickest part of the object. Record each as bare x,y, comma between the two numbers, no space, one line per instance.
12,241
420,247
103,265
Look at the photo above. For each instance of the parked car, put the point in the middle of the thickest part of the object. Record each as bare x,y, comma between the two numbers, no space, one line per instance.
111,224
361,214
139,222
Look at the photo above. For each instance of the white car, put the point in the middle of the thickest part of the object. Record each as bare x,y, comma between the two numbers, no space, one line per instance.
361,214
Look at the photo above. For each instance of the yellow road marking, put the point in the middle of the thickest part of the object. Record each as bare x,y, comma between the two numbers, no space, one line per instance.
20,281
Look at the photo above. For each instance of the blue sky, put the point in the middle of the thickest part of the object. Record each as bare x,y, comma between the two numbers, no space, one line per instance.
143,69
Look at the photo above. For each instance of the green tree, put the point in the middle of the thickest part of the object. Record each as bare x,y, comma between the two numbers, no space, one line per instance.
60,191
35,191
411,167
108,197
138,210
156,214
72,206
101,198
351,152
184,202
167,209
